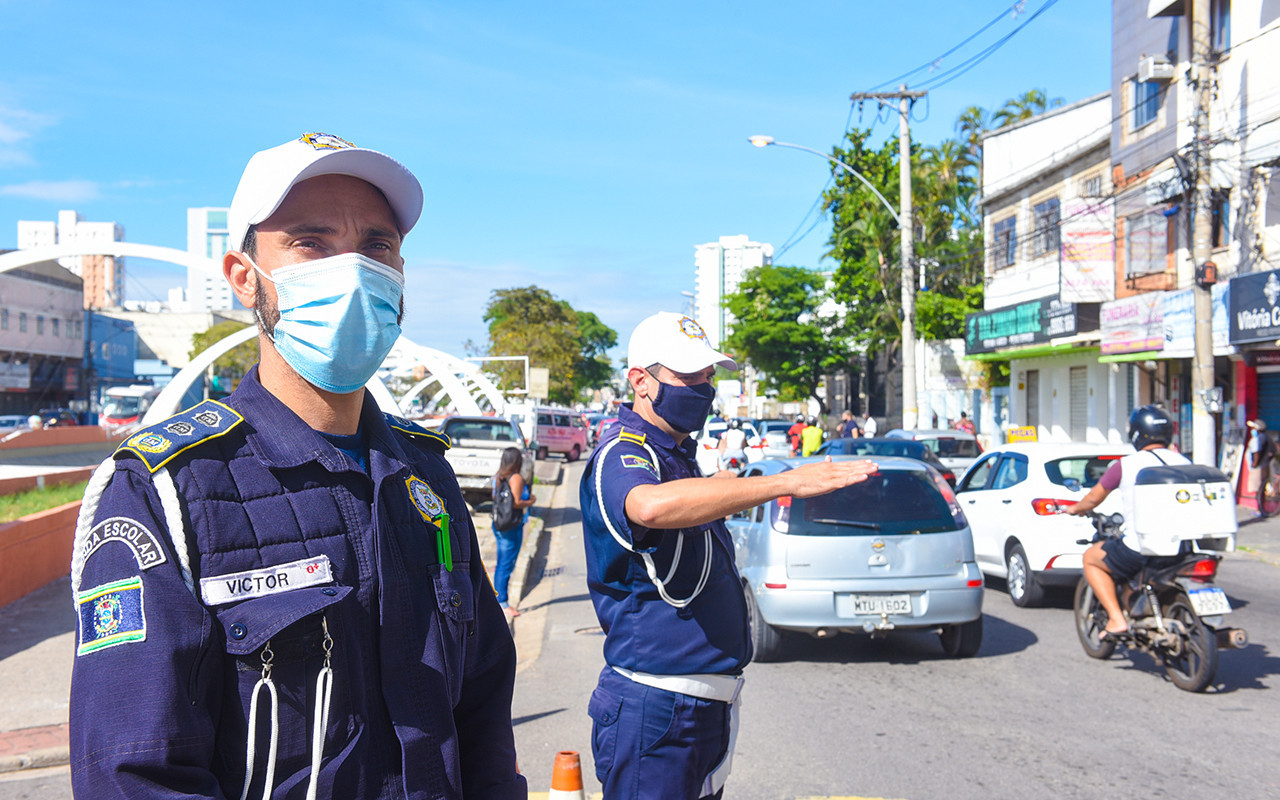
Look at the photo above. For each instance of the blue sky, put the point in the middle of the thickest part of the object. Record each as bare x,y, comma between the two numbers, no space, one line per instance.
585,147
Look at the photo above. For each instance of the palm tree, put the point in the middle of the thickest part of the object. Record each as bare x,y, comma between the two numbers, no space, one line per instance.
1031,103
973,122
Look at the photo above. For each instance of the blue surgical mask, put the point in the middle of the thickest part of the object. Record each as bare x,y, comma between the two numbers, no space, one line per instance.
685,408
339,317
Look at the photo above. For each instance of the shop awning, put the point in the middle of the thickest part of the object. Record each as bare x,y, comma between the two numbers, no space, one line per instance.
1121,358
1037,351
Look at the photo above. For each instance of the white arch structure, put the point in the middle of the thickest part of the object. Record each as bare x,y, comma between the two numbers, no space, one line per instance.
466,388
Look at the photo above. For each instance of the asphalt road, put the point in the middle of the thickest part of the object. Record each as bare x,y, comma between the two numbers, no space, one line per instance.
1030,717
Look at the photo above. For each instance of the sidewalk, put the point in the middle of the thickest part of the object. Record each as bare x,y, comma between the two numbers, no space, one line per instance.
37,645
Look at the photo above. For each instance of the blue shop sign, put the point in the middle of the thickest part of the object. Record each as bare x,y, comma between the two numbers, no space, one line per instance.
1255,307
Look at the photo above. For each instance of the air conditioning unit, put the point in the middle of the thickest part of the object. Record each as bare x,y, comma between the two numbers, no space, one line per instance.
1154,68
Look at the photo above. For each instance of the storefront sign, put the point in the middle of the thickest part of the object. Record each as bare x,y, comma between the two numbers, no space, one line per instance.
14,377
1032,322
1255,307
1026,433
1088,253
1179,312
1133,324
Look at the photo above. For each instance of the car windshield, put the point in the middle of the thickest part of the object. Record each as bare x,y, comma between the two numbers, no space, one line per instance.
877,447
774,425
890,502
122,407
497,430
951,447
1085,469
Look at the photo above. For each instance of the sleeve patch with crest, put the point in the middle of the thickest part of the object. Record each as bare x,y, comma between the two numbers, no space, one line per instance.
111,615
631,461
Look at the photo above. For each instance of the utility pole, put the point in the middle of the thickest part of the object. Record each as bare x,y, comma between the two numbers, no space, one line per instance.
910,402
1203,431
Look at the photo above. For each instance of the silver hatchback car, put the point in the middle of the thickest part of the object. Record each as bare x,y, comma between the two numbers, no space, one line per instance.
891,553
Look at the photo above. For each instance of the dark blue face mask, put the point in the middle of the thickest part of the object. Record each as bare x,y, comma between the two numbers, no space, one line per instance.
684,408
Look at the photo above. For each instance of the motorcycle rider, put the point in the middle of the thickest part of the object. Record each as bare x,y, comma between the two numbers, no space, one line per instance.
733,444
1150,431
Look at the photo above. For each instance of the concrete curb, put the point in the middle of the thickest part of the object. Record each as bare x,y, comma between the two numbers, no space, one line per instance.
533,550
36,759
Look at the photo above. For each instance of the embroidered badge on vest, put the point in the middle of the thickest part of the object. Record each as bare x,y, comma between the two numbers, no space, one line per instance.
439,440
432,509
158,444
111,614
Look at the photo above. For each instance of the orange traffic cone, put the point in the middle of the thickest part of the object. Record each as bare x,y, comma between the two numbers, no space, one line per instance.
566,777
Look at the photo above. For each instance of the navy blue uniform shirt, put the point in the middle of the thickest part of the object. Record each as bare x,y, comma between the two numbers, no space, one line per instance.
285,538
642,631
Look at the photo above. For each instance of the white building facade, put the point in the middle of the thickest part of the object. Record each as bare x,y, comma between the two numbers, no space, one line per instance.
719,268
207,290
103,275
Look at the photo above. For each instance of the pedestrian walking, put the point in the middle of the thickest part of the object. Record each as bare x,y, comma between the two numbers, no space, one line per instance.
281,594
869,426
848,425
1261,451
661,574
511,496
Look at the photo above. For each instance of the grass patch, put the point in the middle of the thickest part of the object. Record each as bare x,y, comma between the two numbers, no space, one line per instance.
20,504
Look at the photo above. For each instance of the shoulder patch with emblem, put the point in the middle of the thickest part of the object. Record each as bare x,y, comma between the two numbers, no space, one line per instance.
631,461
111,614
158,444
144,544
435,439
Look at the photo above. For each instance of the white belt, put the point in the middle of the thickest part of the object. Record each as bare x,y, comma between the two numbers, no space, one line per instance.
724,688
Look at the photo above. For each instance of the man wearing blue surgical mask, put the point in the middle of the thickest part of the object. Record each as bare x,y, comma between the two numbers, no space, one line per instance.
293,574
661,574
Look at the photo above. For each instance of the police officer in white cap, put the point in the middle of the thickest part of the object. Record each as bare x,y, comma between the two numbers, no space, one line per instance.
661,573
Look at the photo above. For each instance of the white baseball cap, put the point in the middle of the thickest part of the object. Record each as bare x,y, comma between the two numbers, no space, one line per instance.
676,342
270,174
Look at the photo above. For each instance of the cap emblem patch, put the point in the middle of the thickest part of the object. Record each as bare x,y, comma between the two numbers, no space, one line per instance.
326,141
691,328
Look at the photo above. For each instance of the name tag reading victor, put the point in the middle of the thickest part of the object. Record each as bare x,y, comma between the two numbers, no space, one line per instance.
252,583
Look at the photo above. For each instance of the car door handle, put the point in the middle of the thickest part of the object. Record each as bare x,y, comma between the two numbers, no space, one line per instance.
971,502
1006,502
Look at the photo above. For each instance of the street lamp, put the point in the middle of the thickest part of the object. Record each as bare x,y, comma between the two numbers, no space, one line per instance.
909,401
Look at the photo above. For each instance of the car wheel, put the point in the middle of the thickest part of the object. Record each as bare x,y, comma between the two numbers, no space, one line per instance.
766,639
961,641
542,454
574,453
1024,589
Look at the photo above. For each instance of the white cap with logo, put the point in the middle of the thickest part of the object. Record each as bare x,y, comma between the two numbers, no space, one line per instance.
270,174
676,342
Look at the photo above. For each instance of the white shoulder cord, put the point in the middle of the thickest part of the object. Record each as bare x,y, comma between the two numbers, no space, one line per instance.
84,522
265,680
169,502
324,695
649,566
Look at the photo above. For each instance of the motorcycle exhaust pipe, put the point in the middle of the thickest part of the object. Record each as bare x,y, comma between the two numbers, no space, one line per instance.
1236,638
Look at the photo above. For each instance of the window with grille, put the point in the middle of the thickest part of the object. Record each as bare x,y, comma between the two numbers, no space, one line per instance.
1005,244
1146,242
1048,217
1091,186
1146,103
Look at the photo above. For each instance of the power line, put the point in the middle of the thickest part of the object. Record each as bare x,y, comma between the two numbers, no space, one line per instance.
960,69
933,63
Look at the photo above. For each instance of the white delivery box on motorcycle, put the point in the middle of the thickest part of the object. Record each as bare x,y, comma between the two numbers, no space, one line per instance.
1175,503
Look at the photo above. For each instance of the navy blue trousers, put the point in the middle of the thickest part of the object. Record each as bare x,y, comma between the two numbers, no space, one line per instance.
651,744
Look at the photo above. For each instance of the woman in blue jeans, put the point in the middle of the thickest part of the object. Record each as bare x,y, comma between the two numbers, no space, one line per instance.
511,496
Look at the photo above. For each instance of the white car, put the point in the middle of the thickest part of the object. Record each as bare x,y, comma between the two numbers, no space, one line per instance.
708,456
1014,497
957,449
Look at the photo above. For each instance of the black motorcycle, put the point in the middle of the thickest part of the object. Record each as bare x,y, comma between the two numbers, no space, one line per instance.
1173,610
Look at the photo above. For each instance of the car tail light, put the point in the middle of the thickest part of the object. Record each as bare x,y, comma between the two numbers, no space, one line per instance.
782,514
949,476
775,586
975,582
950,496
1202,570
1047,507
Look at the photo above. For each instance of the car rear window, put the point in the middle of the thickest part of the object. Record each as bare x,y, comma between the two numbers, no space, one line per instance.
1086,469
490,431
893,501
948,447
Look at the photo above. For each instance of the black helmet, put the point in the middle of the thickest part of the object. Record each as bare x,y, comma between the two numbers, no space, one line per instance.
735,424
1150,425
812,420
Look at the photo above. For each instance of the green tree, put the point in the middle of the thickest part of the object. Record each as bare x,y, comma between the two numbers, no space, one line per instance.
778,330
571,344
1026,106
233,364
